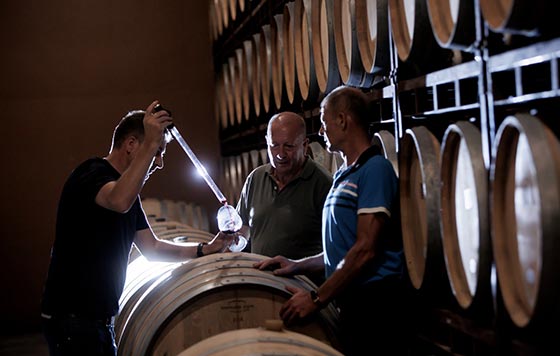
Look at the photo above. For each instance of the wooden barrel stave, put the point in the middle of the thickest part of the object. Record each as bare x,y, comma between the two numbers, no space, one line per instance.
465,219
260,341
170,307
525,213
386,141
453,23
419,181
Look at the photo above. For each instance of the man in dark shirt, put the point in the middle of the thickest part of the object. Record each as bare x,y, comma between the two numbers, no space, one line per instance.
99,217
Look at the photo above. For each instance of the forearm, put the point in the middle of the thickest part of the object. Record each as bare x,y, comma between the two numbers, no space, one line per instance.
360,255
155,249
166,251
311,265
125,190
345,275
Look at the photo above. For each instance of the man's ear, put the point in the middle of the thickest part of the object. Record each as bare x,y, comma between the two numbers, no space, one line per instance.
342,120
131,143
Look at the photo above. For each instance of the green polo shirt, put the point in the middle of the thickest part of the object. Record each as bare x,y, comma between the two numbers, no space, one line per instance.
286,222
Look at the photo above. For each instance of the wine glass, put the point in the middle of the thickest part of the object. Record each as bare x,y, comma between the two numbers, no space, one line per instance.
230,222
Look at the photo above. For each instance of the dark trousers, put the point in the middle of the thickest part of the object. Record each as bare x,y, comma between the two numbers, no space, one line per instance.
376,319
71,336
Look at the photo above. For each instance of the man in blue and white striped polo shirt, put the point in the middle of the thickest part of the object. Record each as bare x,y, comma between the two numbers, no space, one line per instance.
363,257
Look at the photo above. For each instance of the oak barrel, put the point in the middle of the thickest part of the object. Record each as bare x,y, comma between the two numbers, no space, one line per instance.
350,67
372,34
289,54
323,44
413,37
277,53
419,179
526,17
465,221
453,23
260,341
303,43
206,296
386,141
265,67
525,201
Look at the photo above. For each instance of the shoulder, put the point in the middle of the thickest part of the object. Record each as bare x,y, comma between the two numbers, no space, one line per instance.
379,162
380,170
318,170
258,174
90,175
94,164
260,171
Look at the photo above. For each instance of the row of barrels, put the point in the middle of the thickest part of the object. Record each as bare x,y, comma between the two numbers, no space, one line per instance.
451,21
236,168
223,13
216,305
315,45
187,213
462,218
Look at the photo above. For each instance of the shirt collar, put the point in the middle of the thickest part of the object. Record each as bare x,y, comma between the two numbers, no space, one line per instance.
371,151
305,173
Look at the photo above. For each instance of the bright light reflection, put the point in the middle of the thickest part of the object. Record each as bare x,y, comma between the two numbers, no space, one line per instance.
202,171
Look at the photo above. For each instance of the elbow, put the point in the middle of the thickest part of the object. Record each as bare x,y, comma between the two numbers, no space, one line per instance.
150,257
123,209
149,253
121,206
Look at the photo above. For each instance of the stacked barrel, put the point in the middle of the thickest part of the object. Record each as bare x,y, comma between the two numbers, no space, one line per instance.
467,92
302,52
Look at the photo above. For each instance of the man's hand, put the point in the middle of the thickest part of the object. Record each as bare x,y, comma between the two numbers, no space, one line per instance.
298,307
155,124
222,241
280,266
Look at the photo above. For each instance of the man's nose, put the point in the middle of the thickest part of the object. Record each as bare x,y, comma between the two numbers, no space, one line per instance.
281,153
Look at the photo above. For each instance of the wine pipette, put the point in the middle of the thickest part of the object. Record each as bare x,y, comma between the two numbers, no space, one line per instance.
200,168
232,218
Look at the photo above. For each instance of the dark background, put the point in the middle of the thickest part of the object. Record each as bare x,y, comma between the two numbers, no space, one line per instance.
69,70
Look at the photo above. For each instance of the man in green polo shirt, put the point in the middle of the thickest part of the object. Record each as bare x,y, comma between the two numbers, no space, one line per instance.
281,202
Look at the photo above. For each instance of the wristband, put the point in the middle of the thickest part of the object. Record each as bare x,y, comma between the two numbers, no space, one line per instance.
315,298
199,252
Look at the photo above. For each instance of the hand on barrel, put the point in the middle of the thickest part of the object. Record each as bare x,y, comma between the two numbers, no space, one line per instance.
298,307
280,266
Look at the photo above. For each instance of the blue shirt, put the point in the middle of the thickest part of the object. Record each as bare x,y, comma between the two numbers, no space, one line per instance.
368,186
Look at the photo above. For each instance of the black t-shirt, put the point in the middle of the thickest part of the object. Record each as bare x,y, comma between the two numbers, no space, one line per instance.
90,252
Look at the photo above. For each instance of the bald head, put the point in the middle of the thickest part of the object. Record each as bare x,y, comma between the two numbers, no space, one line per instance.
287,121
287,144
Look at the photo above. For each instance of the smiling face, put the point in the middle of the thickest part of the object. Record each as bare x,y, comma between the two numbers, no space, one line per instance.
286,143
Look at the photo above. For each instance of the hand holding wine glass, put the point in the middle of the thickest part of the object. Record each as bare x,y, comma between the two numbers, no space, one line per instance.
230,222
